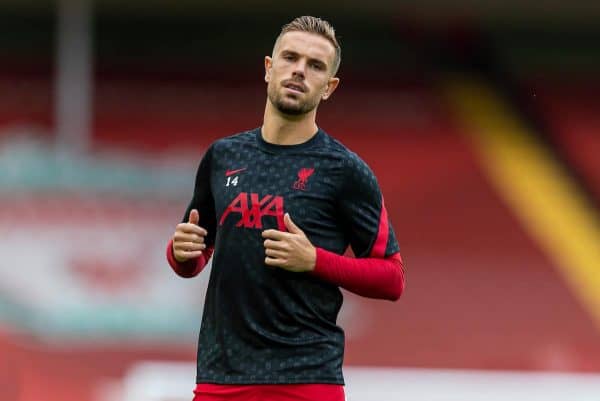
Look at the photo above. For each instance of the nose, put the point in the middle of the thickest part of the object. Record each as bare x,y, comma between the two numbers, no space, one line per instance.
299,69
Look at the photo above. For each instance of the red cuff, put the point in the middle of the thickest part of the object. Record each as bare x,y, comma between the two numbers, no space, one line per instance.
368,277
191,267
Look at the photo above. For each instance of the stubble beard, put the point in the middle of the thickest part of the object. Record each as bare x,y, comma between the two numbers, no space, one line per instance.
284,106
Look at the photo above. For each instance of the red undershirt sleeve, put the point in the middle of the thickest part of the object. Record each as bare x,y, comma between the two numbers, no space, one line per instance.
192,267
381,278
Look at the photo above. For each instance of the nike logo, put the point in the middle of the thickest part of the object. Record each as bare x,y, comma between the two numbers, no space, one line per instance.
232,172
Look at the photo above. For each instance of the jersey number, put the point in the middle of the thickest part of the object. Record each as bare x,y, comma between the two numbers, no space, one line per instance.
231,181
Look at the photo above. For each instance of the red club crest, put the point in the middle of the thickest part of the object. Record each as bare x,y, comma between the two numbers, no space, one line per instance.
303,176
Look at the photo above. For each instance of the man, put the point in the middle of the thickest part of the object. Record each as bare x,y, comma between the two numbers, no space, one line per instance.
278,206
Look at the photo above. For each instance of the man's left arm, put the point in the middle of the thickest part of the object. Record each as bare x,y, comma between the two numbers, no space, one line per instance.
376,272
381,278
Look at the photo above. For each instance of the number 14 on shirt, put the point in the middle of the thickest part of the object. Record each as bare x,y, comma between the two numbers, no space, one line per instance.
232,181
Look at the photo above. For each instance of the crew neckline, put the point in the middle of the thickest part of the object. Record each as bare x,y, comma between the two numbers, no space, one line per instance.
275,148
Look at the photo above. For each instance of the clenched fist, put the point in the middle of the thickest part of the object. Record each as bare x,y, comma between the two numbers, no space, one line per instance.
188,240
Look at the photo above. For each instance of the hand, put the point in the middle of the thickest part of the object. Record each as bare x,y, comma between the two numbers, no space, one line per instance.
289,250
188,240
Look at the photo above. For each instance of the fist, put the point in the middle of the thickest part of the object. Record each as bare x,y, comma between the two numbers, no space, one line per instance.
188,239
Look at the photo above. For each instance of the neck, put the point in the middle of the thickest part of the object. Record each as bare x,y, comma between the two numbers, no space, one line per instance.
283,129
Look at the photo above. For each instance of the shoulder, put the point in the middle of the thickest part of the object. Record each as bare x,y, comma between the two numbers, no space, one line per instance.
351,162
219,148
358,178
223,147
240,138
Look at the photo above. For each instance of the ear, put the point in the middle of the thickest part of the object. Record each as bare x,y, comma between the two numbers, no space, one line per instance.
331,86
268,65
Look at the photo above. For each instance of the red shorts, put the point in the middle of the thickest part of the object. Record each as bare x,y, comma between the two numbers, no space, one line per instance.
270,392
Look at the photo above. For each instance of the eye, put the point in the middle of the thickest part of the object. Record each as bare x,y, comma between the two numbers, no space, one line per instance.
317,66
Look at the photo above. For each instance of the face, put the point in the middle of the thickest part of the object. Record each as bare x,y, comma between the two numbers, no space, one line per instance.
299,74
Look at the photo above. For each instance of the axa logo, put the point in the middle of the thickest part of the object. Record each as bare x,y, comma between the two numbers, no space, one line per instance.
302,180
251,208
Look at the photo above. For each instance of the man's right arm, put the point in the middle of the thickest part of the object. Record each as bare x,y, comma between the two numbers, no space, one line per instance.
191,267
192,244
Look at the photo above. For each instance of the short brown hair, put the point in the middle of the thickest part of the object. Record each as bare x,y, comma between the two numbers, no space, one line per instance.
318,26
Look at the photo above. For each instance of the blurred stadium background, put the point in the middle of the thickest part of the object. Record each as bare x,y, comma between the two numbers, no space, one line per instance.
481,120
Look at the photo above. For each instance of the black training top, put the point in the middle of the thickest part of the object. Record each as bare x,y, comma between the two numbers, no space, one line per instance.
263,324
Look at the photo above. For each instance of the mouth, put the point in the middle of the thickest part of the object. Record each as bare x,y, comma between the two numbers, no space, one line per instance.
295,87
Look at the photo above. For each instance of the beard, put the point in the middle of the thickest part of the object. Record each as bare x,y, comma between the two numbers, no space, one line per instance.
285,105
